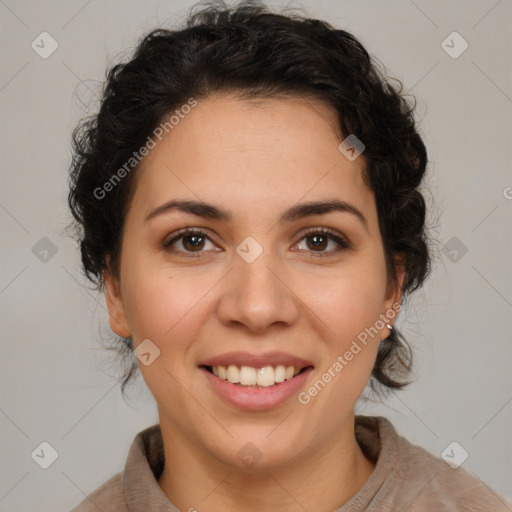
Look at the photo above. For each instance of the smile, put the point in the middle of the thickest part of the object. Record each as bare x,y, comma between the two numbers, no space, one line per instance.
254,377
254,397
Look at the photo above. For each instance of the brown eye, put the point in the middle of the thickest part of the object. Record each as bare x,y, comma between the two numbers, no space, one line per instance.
187,241
193,242
318,240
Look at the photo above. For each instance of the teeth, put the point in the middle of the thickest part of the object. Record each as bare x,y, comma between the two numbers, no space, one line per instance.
266,376
249,376
233,374
280,374
222,372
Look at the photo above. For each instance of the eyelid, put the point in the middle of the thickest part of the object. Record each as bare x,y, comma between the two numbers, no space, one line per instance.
331,234
177,235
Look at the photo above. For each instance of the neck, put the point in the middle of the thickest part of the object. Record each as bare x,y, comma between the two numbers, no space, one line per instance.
322,480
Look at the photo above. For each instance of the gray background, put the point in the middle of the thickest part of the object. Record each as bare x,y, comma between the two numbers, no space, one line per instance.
57,383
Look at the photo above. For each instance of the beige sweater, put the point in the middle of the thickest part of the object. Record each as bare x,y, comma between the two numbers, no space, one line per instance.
406,478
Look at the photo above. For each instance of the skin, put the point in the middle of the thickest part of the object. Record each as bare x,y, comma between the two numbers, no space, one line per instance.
256,159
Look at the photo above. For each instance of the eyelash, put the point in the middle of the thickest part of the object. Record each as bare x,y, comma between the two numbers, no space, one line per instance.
343,244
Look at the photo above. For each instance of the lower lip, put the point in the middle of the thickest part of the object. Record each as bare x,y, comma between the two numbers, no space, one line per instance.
257,399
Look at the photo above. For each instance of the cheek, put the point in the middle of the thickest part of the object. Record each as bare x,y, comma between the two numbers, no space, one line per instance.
150,300
163,304
346,303
167,308
156,309
349,305
351,310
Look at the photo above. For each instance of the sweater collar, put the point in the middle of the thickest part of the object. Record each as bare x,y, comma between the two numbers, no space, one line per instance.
144,465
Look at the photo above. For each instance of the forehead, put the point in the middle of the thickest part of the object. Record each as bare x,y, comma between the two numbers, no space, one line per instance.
273,151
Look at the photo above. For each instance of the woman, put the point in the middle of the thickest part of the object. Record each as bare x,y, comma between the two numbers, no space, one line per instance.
248,198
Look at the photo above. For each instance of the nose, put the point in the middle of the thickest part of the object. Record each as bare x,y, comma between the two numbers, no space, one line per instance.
258,297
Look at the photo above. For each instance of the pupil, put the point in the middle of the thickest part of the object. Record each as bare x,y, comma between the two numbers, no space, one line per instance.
196,241
316,243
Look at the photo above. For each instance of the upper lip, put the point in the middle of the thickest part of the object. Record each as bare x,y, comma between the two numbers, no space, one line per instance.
257,360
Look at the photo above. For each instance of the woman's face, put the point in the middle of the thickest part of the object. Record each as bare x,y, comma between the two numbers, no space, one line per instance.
259,286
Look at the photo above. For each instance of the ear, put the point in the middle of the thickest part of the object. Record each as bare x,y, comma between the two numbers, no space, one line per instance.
117,316
393,301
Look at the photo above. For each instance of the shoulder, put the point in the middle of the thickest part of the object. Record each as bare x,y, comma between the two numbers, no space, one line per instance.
110,497
409,478
427,482
137,483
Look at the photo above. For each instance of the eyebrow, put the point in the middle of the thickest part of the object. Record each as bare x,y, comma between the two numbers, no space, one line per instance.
296,212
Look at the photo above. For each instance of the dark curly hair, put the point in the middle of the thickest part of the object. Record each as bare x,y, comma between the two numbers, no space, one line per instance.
254,53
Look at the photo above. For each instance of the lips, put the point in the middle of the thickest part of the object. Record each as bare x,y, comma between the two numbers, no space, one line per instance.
249,376
255,360
254,381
